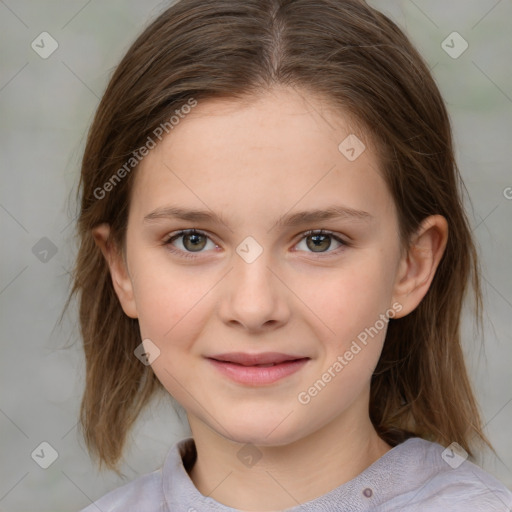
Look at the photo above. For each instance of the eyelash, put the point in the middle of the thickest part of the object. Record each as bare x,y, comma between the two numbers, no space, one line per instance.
187,254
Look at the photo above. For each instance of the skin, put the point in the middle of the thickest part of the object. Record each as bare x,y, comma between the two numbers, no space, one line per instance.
252,162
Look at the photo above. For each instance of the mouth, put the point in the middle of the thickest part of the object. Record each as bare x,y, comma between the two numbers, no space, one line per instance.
257,369
262,359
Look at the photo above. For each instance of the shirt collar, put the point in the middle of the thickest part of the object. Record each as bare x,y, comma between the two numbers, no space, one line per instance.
375,485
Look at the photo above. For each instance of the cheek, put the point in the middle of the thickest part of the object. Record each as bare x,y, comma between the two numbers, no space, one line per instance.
167,299
351,305
350,300
172,308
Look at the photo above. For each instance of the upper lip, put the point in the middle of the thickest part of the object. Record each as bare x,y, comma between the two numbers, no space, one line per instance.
254,359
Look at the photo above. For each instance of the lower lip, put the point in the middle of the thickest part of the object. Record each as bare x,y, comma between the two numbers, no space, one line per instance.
257,375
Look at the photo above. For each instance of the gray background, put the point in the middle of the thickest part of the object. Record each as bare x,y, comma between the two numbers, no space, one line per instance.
46,107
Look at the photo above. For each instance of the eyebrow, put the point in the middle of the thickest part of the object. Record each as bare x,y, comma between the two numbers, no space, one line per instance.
285,221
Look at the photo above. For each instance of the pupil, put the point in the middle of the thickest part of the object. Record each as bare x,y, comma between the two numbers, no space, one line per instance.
193,238
318,240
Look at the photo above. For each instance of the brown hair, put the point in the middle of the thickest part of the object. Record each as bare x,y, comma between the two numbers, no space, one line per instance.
358,59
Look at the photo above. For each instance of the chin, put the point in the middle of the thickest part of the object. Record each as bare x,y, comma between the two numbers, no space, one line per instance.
263,431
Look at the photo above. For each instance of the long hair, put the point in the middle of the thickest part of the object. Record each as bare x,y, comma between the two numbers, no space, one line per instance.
359,60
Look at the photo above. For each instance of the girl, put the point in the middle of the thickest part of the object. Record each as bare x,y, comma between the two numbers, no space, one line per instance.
272,232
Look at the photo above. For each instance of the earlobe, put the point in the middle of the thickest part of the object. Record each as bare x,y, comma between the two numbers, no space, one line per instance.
418,266
121,280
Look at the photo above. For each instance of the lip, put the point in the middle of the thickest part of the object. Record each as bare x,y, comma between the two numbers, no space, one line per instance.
242,367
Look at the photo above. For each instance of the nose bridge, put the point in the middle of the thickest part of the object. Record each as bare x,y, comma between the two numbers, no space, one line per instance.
254,296
251,269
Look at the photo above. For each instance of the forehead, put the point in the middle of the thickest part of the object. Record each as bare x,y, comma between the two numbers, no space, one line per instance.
264,153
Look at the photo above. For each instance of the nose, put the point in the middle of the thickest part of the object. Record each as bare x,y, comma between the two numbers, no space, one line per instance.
253,297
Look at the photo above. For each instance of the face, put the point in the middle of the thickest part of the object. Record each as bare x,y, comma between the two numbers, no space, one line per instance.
255,277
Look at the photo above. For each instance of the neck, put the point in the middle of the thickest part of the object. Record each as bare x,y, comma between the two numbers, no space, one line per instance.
284,476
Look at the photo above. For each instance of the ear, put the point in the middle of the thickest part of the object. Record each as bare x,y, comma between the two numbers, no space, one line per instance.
121,280
418,266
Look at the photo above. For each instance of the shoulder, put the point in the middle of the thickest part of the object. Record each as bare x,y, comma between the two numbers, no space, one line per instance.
147,493
438,478
144,494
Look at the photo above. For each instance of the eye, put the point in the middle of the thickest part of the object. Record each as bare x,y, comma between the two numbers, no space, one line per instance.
319,241
193,241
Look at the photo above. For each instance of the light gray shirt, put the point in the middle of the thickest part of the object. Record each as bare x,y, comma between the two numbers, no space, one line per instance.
411,477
